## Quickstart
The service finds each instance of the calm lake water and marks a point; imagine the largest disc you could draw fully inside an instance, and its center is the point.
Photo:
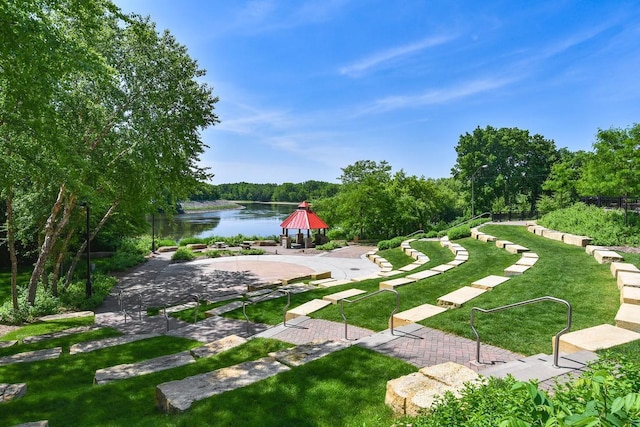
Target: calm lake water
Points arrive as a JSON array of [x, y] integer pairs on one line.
[[256, 219]]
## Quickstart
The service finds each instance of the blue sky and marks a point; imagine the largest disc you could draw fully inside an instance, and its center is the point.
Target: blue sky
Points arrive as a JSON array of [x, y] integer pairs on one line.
[[308, 87]]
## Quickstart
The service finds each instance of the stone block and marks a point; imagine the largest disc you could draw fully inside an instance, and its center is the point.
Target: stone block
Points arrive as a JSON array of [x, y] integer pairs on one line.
[[572, 239], [456, 262], [458, 297], [130, 370], [487, 238], [529, 255], [628, 278], [628, 317], [617, 267], [515, 249], [606, 256], [334, 298], [502, 243], [321, 275], [450, 373], [10, 392], [553, 235], [527, 261], [489, 282], [321, 281], [304, 353], [630, 295], [197, 246], [333, 283], [595, 338], [539, 230], [424, 274], [442, 268], [515, 270], [444, 242], [163, 249], [475, 233], [394, 283], [416, 314], [590, 249], [217, 346], [306, 308], [31, 356], [409, 267]]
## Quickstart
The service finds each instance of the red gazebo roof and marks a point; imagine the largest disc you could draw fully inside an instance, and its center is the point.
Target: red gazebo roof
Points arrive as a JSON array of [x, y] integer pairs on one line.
[[304, 218]]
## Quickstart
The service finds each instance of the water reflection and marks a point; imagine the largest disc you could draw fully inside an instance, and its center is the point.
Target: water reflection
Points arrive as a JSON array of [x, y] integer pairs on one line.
[[256, 219]]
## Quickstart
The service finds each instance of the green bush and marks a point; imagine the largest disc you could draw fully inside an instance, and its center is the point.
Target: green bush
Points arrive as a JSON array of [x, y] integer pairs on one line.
[[431, 234], [459, 232], [334, 244], [391, 243], [253, 251], [338, 233], [44, 304], [194, 240], [74, 297], [165, 242], [183, 254], [605, 226]]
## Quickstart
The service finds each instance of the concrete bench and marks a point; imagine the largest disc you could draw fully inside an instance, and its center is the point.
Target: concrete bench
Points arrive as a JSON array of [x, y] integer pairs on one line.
[[334, 298], [306, 308], [595, 338], [458, 297], [416, 314]]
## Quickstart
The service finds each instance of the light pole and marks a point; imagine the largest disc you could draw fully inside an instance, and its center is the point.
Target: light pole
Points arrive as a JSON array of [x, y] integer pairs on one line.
[[153, 232], [473, 178], [88, 286]]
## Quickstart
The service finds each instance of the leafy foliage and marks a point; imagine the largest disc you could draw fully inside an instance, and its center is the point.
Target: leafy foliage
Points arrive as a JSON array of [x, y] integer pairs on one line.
[[183, 254], [459, 232]]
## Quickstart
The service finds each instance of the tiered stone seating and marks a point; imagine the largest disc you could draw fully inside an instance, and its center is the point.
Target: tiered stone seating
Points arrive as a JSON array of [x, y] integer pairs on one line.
[[604, 256], [424, 274], [334, 298], [489, 282], [306, 308], [416, 314], [617, 267], [458, 297], [394, 283]]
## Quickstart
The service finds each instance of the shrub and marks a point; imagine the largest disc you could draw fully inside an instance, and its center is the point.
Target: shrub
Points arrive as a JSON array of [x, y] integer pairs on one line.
[[431, 234], [44, 304], [165, 242], [459, 232], [391, 243], [334, 244], [194, 240], [183, 254], [74, 297], [253, 251]]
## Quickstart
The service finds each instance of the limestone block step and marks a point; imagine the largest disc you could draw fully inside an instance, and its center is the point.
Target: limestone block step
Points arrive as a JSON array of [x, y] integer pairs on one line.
[[394, 283], [502, 243], [617, 267], [553, 235], [409, 267], [130, 370], [442, 268], [606, 256], [457, 262], [334, 298], [31, 356], [628, 278], [321, 281], [178, 396], [424, 274], [538, 229], [489, 282], [304, 353], [515, 249], [628, 317], [217, 346], [630, 295], [595, 338], [223, 309], [88, 346], [486, 238], [529, 255], [363, 278], [306, 308], [455, 248], [458, 297], [528, 261], [572, 239], [475, 233], [444, 242], [590, 249], [333, 283], [5, 344], [515, 270], [63, 333], [318, 275], [390, 273], [416, 314], [10, 392], [462, 257]]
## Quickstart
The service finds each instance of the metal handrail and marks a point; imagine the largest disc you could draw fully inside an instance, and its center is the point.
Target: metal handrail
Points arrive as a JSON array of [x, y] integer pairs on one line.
[[415, 232], [123, 309], [193, 297], [395, 310], [556, 346], [264, 297]]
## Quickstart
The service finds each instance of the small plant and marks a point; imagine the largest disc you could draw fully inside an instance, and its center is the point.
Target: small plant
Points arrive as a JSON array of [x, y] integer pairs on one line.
[[391, 243], [334, 244], [183, 254], [194, 240], [253, 251]]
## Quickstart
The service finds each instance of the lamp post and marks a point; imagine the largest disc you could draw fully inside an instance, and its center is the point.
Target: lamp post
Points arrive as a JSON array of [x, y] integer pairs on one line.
[[88, 285], [473, 178], [153, 232]]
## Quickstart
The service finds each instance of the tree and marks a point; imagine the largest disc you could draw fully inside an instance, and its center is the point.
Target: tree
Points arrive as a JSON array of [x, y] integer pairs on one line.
[[517, 163], [565, 175]]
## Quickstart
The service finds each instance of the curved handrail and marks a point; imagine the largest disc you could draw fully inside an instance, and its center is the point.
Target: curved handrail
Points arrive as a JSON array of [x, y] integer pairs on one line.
[[556, 346], [414, 233], [395, 310], [121, 304], [193, 297], [264, 297]]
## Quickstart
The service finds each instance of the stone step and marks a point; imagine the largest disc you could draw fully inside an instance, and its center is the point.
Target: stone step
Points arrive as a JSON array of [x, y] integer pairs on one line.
[[304, 353], [306, 308], [318, 275], [553, 235], [527, 261], [63, 333], [590, 249], [442, 268], [516, 249], [88, 346], [503, 243], [217, 346], [416, 314], [363, 278], [489, 282], [12, 391], [595, 338], [628, 317], [71, 315], [178, 396], [333, 283], [334, 298], [394, 283], [540, 367], [31, 356], [458, 297], [630, 295], [390, 273], [149, 366], [628, 278], [529, 255], [617, 267], [572, 239], [606, 256], [410, 267], [487, 238], [515, 270], [223, 309], [321, 281], [424, 274], [457, 262]]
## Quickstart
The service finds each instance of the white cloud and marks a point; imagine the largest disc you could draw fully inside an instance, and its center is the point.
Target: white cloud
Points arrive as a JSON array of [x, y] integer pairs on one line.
[[393, 54]]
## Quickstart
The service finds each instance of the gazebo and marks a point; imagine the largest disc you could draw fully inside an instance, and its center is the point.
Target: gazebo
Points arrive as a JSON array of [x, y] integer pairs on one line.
[[304, 218]]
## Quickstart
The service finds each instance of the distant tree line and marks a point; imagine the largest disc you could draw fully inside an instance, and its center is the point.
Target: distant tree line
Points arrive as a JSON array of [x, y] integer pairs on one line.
[[286, 192]]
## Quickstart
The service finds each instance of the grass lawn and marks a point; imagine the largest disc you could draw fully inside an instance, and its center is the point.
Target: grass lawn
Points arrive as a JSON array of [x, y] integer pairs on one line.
[[328, 392]]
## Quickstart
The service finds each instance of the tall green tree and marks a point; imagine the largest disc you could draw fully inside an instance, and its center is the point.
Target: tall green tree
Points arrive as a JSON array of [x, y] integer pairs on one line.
[[502, 164]]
